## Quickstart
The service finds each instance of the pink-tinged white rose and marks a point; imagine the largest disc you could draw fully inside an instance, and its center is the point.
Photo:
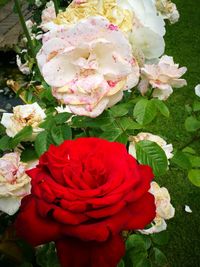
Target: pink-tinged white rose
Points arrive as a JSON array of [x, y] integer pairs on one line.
[[47, 17], [167, 10], [164, 209], [88, 65], [168, 148], [148, 28], [197, 90], [23, 115], [23, 67], [14, 182], [162, 76]]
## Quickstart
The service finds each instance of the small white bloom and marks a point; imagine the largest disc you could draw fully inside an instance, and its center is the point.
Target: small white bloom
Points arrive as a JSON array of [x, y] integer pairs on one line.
[[167, 10], [168, 148], [162, 76], [197, 90], [24, 68], [62, 109], [14, 182], [38, 3], [158, 225], [164, 209], [188, 209], [23, 115]]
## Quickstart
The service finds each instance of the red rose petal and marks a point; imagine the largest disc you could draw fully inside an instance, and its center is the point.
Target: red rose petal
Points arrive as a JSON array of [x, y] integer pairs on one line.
[[32, 228], [73, 252]]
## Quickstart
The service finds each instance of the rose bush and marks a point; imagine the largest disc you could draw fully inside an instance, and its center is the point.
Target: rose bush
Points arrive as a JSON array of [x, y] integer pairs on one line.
[[85, 192]]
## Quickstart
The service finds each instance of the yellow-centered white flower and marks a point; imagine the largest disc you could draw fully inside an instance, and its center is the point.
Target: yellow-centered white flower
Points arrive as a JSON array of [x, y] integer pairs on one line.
[[23, 115]]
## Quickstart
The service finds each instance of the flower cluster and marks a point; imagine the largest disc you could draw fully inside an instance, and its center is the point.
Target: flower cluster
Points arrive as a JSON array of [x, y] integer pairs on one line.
[[95, 50]]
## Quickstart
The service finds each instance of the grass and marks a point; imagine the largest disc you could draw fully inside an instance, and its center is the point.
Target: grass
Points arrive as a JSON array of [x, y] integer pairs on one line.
[[183, 43]]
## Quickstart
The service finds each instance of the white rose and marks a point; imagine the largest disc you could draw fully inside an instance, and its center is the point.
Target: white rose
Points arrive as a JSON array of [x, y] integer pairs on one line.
[[158, 225], [197, 90], [23, 115], [148, 28], [48, 15], [24, 68], [88, 65], [162, 76], [14, 183], [167, 10], [151, 137], [164, 209]]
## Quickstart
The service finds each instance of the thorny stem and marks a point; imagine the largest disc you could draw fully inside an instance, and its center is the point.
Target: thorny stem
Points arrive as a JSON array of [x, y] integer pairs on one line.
[[24, 27], [27, 34]]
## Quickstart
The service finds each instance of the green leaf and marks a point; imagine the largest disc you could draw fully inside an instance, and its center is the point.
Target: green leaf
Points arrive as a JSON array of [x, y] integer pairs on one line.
[[189, 150], [84, 122], [112, 134], [196, 106], [46, 256], [135, 241], [161, 238], [194, 177], [153, 155], [121, 264], [61, 118], [48, 123], [29, 155], [5, 143], [42, 142], [128, 124], [144, 262], [194, 160], [147, 241], [160, 105], [159, 257], [23, 135], [60, 133], [119, 110], [192, 124], [144, 111], [181, 159]]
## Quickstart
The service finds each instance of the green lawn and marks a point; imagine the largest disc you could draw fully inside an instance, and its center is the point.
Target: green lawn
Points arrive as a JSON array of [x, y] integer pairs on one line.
[[183, 43]]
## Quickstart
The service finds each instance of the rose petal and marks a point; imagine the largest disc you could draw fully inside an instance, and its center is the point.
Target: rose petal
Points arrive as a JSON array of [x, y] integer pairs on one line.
[[76, 253]]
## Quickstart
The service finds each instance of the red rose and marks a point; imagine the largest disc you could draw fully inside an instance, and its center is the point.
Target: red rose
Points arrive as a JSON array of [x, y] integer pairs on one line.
[[84, 194]]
